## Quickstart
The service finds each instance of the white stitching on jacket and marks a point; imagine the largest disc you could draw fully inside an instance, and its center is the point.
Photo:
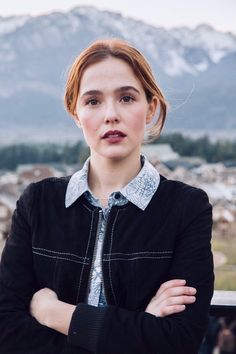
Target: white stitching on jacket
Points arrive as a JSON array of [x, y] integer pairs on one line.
[[86, 207], [56, 257], [129, 254], [110, 253], [131, 259], [57, 252], [90, 232]]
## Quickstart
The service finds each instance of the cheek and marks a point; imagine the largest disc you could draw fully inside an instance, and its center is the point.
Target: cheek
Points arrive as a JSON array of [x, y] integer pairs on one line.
[[138, 121], [89, 124], [89, 127]]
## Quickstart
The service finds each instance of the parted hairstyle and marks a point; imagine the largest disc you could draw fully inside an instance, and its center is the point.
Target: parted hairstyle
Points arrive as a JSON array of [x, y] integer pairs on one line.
[[120, 49]]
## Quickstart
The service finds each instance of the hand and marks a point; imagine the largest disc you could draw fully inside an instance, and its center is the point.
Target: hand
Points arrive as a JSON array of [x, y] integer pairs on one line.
[[171, 297], [41, 302], [51, 312]]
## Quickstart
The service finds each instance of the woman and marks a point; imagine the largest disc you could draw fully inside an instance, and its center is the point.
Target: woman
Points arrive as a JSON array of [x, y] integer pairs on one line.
[[116, 258]]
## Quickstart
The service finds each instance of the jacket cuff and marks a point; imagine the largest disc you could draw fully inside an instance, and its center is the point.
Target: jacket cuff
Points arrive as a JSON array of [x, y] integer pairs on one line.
[[85, 326]]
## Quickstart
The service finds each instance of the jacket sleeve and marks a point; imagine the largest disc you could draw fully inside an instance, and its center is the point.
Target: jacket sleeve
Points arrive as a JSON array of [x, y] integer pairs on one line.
[[20, 333], [116, 330]]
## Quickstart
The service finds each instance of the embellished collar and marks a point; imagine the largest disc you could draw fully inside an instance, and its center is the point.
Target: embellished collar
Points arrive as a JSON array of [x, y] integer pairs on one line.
[[138, 191]]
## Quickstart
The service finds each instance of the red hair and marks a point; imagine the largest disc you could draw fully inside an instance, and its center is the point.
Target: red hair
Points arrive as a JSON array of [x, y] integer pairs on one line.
[[102, 49]]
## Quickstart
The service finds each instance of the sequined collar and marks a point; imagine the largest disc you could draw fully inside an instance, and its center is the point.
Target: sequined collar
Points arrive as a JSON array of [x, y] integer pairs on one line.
[[138, 191]]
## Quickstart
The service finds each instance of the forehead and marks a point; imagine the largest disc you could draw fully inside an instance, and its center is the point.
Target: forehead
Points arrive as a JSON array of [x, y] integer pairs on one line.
[[109, 72]]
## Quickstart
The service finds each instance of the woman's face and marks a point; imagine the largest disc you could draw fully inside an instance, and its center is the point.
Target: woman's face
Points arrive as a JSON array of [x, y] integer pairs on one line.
[[112, 109]]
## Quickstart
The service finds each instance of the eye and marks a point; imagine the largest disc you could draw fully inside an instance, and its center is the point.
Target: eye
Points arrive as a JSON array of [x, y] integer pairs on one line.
[[92, 102], [127, 99]]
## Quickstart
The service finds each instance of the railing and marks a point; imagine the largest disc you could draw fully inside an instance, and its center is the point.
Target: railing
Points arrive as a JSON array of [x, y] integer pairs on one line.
[[223, 303]]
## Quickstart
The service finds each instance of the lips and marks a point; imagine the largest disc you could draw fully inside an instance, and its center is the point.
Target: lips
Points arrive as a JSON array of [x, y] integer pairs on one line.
[[113, 134]]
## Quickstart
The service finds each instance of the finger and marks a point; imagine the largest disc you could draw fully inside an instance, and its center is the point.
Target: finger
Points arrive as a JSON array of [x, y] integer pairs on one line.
[[176, 291], [175, 300], [171, 305], [180, 300], [170, 310], [170, 284]]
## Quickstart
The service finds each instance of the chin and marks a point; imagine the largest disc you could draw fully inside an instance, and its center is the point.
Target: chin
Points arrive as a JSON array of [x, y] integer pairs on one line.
[[117, 152], [119, 155], [115, 157]]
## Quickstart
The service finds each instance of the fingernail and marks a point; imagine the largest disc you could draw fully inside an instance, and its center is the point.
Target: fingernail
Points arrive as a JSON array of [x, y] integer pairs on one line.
[[193, 290]]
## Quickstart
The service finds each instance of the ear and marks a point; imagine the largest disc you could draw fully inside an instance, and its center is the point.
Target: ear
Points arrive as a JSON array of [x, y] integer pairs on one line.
[[152, 107], [77, 120]]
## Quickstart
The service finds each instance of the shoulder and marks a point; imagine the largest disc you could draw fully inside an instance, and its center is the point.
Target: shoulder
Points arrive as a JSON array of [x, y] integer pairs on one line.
[[186, 203], [52, 183], [52, 187], [183, 195], [184, 190]]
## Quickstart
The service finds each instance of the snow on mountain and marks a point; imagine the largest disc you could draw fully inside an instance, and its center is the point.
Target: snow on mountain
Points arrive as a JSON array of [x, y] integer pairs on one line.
[[177, 52], [10, 24], [189, 64], [217, 44], [170, 48]]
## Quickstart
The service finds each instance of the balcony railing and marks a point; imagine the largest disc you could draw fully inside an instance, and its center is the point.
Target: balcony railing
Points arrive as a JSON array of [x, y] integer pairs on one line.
[[223, 303]]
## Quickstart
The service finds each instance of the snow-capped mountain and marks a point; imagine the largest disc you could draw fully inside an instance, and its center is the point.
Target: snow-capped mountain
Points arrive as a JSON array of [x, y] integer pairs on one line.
[[216, 44], [10, 24], [196, 69]]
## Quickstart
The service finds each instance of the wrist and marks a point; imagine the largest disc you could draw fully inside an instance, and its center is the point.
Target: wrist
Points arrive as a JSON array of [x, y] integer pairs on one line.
[[59, 316], [50, 311]]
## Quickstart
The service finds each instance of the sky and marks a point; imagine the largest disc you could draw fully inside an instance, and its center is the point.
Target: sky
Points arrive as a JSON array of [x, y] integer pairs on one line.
[[221, 14]]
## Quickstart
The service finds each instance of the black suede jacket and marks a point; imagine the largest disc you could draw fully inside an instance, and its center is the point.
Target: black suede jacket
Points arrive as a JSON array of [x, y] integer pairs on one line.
[[52, 246]]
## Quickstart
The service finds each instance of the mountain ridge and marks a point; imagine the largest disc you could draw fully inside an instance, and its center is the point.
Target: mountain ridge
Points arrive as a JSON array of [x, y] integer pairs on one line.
[[36, 56]]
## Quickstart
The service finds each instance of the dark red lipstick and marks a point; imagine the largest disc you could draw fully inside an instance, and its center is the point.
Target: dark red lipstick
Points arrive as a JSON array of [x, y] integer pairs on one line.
[[113, 133], [114, 136]]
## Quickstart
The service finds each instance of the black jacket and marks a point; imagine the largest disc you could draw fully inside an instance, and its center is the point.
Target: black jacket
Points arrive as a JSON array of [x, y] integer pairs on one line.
[[51, 246]]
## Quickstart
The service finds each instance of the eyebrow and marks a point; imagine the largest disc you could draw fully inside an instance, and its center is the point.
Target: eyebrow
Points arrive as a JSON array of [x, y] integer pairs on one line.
[[127, 88], [118, 90]]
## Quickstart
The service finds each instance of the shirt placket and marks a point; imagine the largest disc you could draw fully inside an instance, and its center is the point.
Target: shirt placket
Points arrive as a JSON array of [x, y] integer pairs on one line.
[[96, 295]]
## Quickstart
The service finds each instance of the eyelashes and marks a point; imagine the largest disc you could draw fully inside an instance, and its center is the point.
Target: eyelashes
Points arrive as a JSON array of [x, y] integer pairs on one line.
[[95, 101], [127, 98], [91, 102]]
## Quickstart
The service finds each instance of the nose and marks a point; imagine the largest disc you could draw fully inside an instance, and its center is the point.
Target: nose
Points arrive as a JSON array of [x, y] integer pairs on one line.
[[111, 114]]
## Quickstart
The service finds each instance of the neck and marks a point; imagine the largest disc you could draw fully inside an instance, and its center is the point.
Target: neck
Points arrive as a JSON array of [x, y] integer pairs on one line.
[[107, 176]]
